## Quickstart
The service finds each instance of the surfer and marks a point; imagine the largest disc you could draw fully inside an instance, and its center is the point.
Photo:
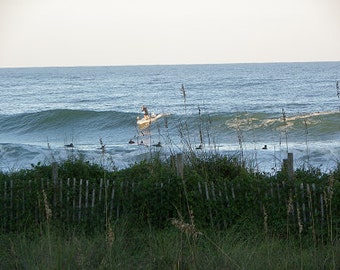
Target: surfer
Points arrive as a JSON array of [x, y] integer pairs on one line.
[[157, 144], [146, 113], [69, 145], [142, 143]]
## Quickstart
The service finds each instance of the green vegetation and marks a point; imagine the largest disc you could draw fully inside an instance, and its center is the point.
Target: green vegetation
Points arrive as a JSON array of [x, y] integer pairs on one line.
[[141, 248], [212, 214]]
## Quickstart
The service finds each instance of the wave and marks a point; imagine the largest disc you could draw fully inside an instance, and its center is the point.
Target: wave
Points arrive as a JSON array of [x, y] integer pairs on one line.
[[119, 125], [18, 156], [327, 121], [116, 128], [63, 120]]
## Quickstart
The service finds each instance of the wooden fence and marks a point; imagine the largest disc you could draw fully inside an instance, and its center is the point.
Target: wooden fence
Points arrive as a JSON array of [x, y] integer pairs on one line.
[[215, 204]]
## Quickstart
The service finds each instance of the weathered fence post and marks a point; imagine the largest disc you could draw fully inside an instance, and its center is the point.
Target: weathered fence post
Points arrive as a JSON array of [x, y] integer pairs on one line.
[[179, 165], [288, 166]]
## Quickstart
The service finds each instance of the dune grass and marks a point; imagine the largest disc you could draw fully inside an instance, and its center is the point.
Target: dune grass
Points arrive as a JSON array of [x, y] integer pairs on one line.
[[180, 243], [142, 248]]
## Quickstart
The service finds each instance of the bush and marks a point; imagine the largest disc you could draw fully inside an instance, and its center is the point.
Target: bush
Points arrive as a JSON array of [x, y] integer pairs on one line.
[[215, 192]]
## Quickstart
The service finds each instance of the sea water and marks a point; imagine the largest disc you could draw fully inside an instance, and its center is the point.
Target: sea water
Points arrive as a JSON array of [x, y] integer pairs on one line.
[[229, 109]]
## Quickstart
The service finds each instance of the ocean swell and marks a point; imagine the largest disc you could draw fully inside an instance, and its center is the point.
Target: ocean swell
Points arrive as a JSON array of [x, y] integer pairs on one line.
[[54, 120]]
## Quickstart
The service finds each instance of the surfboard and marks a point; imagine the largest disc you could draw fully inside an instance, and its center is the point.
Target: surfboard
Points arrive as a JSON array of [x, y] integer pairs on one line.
[[146, 122]]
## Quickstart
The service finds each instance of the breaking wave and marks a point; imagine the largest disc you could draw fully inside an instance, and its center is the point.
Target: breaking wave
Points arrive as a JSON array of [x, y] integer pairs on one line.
[[53, 120]]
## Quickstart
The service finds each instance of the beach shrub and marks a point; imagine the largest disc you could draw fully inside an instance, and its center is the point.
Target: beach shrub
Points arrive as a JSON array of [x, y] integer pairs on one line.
[[215, 192]]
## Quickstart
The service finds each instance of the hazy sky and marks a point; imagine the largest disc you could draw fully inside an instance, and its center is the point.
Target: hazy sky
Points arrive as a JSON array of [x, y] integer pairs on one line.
[[133, 32]]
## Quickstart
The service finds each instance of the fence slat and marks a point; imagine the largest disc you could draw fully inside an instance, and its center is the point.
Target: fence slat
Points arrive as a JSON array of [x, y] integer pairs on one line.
[[93, 197], [61, 198], [80, 197], [322, 210], [226, 194], [213, 191], [5, 204], [86, 194], [74, 199], [11, 202], [67, 199], [199, 188], [100, 189], [310, 205], [233, 192], [222, 203], [112, 197], [314, 199], [23, 199], [303, 203], [208, 199], [278, 189]]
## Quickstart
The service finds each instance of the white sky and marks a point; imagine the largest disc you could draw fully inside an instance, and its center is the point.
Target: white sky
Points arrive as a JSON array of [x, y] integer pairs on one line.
[[134, 32]]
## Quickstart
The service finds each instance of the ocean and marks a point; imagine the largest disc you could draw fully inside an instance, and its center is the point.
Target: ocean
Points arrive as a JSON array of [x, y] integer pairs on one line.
[[229, 109]]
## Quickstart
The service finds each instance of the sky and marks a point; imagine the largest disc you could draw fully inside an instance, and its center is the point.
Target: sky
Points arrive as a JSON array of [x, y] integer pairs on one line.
[[35, 33]]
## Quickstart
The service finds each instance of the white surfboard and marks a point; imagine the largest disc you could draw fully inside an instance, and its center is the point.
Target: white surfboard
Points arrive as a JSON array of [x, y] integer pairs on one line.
[[146, 122]]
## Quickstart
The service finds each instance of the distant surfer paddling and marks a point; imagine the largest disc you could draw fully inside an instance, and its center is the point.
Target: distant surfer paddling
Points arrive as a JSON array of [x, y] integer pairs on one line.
[[69, 145]]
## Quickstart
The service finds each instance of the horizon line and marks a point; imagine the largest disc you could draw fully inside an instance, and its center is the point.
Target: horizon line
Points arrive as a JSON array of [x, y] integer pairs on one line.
[[179, 64]]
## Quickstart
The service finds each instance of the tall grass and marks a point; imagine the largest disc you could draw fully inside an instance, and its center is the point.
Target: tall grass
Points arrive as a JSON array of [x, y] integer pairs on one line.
[[185, 241], [140, 248]]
